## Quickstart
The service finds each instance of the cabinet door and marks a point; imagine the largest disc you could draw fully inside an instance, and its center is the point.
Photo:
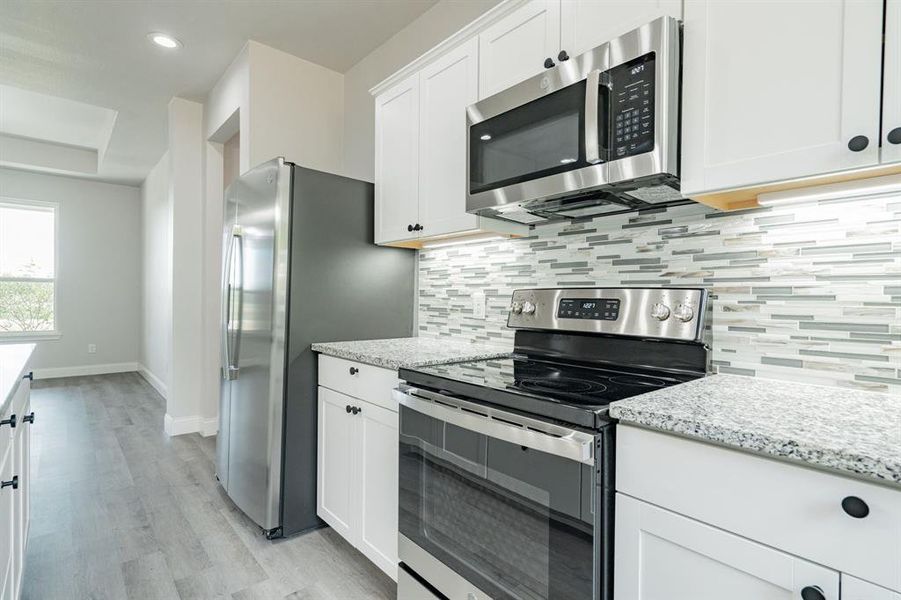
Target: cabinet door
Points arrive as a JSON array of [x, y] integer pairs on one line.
[[778, 90], [662, 555], [397, 162], [891, 103], [446, 88], [586, 24], [7, 499], [378, 458], [515, 48], [855, 589], [336, 475]]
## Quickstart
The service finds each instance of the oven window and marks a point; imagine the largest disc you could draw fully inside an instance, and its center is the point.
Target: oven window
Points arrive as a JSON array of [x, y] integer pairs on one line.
[[537, 139], [514, 521]]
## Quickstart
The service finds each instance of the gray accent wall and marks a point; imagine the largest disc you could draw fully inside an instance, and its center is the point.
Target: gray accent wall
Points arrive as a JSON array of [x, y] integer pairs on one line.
[[810, 292]]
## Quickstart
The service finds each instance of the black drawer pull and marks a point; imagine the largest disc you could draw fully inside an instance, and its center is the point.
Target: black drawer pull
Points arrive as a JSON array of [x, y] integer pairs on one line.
[[29, 418], [858, 143], [354, 370], [13, 483], [30, 374], [409, 228], [347, 408], [548, 63], [813, 592], [11, 421], [855, 507], [563, 56], [894, 136], [356, 410]]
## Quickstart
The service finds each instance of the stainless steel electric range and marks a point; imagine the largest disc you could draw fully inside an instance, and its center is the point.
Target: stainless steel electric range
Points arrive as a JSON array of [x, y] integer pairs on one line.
[[506, 465]]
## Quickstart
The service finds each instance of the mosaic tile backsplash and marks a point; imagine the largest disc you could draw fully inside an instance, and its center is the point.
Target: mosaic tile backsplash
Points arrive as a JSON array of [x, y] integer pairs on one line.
[[809, 292]]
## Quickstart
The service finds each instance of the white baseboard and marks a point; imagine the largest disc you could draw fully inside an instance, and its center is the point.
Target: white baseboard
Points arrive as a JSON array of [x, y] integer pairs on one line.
[[154, 381], [209, 427], [193, 424], [53, 373]]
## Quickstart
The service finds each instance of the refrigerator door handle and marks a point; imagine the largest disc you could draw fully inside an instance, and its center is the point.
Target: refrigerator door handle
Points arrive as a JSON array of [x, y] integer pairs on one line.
[[229, 368]]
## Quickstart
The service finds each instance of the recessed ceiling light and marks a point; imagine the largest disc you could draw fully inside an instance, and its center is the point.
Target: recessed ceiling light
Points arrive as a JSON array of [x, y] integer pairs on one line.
[[166, 41]]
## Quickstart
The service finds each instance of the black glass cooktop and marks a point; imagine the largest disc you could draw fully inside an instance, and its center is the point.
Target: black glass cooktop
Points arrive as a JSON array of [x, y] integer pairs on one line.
[[565, 391]]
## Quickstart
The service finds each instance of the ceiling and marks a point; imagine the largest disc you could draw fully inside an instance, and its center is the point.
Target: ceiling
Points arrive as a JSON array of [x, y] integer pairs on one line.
[[96, 52]]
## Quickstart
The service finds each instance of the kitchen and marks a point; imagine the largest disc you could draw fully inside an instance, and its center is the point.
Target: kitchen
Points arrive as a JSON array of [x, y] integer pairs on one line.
[[520, 299]]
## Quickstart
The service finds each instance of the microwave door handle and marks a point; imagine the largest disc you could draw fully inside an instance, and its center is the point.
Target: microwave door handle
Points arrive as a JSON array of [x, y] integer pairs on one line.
[[592, 141]]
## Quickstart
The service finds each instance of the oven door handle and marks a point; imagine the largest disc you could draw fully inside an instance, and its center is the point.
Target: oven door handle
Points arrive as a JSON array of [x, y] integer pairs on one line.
[[592, 141], [522, 431]]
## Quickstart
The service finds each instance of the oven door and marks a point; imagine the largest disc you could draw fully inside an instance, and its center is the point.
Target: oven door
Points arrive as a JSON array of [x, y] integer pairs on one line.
[[496, 505]]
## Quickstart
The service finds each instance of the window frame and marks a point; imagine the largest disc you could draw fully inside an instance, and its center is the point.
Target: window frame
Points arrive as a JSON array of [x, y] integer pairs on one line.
[[51, 334]]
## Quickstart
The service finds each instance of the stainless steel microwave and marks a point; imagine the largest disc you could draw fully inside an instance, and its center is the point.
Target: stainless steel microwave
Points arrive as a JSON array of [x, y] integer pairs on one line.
[[596, 134]]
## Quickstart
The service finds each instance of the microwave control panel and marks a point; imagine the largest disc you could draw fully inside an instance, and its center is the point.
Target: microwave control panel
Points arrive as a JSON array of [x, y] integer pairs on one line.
[[632, 107]]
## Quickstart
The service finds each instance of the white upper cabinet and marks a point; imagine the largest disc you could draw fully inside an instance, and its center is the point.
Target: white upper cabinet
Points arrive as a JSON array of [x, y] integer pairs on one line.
[[447, 87], [891, 104], [660, 554], [586, 24], [515, 48], [778, 90], [397, 162]]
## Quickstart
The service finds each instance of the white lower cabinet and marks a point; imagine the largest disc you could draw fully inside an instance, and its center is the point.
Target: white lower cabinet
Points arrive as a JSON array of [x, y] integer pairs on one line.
[[661, 555], [15, 465], [855, 589], [357, 475]]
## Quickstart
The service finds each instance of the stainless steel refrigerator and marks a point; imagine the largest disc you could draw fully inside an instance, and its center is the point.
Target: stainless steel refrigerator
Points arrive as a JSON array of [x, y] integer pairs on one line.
[[299, 266]]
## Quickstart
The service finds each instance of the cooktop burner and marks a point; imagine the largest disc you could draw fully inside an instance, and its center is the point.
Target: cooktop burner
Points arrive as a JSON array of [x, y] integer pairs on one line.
[[516, 380]]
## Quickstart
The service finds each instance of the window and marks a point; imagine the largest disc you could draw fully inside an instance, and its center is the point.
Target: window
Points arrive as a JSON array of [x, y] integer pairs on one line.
[[27, 269]]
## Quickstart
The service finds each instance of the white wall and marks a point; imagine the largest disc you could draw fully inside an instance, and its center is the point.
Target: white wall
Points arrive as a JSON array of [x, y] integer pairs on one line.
[[155, 354], [98, 275], [438, 23], [296, 110]]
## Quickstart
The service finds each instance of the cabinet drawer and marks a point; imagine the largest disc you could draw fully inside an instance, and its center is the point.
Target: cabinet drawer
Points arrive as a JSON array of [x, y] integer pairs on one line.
[[20, 398], [366, 382], [792, 508]]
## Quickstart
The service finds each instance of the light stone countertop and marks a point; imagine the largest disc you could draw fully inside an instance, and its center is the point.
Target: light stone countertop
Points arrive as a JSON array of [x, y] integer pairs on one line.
[[399, 353], [13, 363], [840, 429]]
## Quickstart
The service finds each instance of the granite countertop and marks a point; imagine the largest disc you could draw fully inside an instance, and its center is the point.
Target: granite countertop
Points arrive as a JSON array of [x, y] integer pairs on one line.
[[849, 431], [13, 362], [410, 352]]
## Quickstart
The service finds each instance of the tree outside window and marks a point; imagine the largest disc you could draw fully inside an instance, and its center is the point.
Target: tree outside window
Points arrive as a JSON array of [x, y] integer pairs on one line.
[[27, 269]]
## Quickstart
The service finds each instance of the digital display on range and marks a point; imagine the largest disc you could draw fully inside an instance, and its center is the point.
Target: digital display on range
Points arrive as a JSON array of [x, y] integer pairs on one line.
[[597, 308]]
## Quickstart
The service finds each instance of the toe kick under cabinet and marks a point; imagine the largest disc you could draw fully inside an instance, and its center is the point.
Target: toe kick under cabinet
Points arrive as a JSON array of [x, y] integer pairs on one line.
[[15, 442], [357, 457], [699, 521]]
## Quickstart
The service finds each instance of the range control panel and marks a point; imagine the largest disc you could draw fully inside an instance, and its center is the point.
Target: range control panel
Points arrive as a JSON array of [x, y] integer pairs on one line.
[[666, 313], [605, 309], [632, 107]]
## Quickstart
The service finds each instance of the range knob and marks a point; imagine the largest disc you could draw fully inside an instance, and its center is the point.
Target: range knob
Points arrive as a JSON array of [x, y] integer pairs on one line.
[[516, 308], [684, 313], [528, 308], [660, 312]]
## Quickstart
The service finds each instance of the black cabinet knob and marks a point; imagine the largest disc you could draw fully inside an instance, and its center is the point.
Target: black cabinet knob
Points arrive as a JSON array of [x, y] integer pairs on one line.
[[30, 375], [13, 483], [562, 56], [858, 143], [548, 63], [29, 418], [418, 227], [855, 507], [409, 228], [347, 408], [354, 370], [894, 136], [11, 421], [813, 592], [356, 410]]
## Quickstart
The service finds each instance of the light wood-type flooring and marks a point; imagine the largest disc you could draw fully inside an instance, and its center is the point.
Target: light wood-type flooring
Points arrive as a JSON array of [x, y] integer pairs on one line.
[[121, 511]]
